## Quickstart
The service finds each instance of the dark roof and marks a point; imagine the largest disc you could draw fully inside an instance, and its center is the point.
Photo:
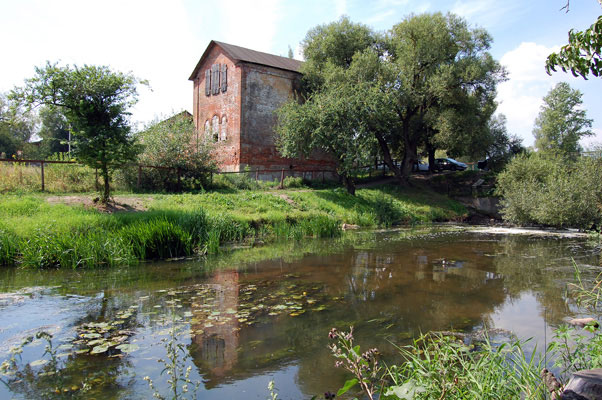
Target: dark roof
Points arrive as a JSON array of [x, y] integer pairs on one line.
[[238, 53]]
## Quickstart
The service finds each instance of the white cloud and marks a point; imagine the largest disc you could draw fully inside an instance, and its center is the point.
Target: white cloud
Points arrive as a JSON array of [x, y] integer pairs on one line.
[[488, 13], [521, 96], [379, 17]]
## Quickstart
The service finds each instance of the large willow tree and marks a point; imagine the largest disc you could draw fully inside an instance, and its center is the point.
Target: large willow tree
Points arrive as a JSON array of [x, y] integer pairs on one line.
[[428, 82]]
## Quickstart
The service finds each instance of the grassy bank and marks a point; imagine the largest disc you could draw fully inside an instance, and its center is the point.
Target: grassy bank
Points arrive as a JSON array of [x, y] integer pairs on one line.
[[35, 233]]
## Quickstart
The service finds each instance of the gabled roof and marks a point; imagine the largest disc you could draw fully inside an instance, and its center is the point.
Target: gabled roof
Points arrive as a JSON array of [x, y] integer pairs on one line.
[[237, 53]]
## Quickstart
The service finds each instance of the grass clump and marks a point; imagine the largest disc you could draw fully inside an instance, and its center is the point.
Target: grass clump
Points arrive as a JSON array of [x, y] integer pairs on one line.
[[38, 234], [443, 367], [438, 367]]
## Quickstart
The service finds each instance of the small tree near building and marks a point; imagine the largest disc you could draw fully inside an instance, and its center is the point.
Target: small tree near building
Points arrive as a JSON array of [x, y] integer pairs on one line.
[[95, 101]]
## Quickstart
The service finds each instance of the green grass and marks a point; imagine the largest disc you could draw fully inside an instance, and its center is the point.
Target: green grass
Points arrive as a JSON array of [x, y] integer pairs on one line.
[[35, 233]]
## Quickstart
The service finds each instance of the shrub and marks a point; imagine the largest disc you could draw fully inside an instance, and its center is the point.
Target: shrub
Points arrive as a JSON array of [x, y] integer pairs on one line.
[[552, 191]]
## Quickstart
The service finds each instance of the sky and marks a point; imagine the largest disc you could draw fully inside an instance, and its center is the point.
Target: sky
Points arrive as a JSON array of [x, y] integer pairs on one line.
[[161, 41]]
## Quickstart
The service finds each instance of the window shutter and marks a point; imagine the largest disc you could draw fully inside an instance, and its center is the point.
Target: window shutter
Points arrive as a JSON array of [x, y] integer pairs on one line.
[[215, 79], [224, 78], [207, 83]]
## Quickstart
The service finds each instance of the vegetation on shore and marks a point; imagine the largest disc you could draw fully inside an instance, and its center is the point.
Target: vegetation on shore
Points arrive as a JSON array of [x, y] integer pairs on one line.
[[35, 233], [441, 365]]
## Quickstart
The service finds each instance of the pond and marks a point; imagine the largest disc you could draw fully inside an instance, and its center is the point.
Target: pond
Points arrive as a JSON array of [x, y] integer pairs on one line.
[[254, 315]]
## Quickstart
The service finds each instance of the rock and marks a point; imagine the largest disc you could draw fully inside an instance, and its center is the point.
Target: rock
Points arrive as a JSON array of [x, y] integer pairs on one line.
[[350, 226], [581, 322], [584, 385]]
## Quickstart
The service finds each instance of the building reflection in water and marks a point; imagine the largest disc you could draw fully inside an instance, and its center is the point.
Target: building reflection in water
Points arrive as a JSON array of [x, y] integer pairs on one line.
[[215, 336]]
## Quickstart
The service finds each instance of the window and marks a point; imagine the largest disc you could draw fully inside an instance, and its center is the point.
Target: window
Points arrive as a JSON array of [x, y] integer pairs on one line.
[[216, 79], [215, 127], [207, 129], [223, 129]]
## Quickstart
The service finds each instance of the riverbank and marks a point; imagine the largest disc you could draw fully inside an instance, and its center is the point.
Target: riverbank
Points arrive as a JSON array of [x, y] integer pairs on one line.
[[42, 231]]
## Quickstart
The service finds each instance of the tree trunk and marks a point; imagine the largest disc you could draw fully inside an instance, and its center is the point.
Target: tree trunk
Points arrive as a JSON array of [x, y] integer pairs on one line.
[[349, 184], [384, 147], [106, 193], [409, 152]]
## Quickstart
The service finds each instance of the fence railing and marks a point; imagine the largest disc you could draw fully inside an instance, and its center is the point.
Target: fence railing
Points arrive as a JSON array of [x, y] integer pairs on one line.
[[306, 173]]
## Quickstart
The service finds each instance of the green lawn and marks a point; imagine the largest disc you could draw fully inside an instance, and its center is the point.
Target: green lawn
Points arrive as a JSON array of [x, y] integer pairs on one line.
[[35, 233]]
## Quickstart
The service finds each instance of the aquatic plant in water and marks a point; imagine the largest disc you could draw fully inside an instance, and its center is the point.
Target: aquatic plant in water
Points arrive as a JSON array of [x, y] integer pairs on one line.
[[175, 367]]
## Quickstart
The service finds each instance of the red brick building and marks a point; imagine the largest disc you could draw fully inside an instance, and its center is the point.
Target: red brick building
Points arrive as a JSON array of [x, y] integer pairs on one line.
[[236, 93]]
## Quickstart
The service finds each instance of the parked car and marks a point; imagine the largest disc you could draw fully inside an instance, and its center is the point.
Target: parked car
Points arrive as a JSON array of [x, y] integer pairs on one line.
[[449, 164], [420, 166]]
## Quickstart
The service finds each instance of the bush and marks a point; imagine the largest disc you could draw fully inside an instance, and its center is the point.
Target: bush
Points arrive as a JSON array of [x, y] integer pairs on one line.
[[552, 191]]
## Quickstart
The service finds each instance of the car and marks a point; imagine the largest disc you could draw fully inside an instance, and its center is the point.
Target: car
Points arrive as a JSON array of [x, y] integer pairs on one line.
[[420, 166], [449, 164]]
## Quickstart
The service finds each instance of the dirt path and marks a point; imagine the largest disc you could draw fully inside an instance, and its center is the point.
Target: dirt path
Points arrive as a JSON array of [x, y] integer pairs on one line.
[[119, 203]]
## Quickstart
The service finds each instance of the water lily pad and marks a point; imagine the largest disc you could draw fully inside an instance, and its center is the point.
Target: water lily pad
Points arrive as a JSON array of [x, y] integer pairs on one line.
[[38, 363], [128, 347], [187, 314], [99, 349], [96, 342], [92, 335]]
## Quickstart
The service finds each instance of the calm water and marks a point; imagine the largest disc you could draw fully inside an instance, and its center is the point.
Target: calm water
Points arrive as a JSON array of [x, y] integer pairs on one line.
[[242, 323]]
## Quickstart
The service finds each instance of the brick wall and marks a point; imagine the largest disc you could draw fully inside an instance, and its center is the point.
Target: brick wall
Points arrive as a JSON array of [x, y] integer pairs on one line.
[[225, 104]]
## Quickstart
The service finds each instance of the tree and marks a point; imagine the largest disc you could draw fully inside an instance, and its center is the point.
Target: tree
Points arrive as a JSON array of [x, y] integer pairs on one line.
[[16, 127], [442, 80], [429, 82], [561, 122], [583, 53], [95, 101], [335, 114], [175, 143]]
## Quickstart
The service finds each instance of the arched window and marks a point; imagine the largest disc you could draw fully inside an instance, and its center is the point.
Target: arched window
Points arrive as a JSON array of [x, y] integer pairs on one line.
[[223, 129], [207, 129], [215, 127]]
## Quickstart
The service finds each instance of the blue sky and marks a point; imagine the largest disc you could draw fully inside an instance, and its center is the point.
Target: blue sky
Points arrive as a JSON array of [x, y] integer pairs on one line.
[[162, 40]]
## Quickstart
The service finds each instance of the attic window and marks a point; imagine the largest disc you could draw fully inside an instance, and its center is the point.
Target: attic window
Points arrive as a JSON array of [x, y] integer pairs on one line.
[[216, 79]]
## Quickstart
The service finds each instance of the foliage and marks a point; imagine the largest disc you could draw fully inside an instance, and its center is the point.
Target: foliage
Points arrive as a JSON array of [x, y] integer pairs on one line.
[[363, 366], [95, 100], [174, 143], [16, 128], [501, 147], [178, 373], [582, 54], [552, 191], [429, 82], [333, 121], [438, 367], [561, 122]]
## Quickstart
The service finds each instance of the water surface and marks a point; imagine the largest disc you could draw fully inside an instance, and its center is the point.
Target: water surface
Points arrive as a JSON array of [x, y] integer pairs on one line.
[[242, 322]]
